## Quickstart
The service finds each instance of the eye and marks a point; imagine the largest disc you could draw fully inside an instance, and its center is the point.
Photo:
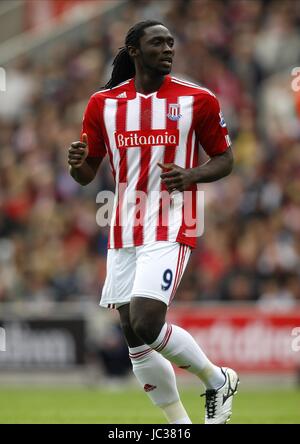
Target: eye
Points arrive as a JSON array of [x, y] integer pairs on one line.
[[159, 42]]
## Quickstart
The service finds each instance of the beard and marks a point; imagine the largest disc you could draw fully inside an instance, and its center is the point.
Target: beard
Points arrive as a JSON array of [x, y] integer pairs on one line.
[[155, 69]]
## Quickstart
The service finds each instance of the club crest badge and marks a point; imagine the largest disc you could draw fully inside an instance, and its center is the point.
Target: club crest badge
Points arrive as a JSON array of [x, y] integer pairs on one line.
[[174, 112]]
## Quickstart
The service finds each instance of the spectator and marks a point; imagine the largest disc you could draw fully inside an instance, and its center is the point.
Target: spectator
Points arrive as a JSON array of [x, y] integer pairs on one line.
[[50, 245]]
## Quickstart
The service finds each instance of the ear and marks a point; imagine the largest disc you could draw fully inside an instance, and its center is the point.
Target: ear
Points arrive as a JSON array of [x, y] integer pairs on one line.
[[132, 51]]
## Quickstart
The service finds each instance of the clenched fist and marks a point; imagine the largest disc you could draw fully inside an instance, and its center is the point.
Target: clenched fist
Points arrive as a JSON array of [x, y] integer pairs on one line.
[[78, 152]]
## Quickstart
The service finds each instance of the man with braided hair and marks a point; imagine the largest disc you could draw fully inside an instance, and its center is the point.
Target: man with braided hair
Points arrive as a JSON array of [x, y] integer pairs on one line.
[[151, 126]]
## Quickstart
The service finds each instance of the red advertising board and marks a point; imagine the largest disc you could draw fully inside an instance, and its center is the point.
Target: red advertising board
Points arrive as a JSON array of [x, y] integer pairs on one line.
[[246, 339]]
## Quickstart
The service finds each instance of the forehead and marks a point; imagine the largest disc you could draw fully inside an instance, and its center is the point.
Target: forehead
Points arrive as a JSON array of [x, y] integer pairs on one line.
[[156, 31]]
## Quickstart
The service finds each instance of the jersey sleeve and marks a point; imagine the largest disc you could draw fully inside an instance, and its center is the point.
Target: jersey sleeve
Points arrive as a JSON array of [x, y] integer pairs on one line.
[[211, 127], [91, 125]]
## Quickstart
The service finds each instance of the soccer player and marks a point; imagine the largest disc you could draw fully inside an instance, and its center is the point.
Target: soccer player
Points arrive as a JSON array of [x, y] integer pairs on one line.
[[151, 126]]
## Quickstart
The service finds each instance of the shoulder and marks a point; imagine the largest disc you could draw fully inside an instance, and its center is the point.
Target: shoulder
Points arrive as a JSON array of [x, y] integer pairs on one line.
[[186, 87], [112, 93]]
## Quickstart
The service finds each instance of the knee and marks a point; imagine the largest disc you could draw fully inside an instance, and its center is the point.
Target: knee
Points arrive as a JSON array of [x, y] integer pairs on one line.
[[126, 328], [125, 320], [147, 317], [146, 328], [131, 338]]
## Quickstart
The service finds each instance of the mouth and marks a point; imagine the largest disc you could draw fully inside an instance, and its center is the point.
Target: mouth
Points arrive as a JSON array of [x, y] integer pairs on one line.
[[167, 61]]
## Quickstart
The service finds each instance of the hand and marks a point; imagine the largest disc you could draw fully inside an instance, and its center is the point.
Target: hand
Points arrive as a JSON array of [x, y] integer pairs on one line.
[[176, 178], [78, 152]]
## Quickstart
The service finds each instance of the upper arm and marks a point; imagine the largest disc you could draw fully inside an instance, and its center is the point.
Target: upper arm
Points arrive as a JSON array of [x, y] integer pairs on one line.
[[228, 154], [91, 125], [227, 158], [211, 128]]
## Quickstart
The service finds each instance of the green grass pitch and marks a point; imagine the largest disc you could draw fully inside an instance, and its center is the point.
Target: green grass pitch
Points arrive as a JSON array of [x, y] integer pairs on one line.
[[130, 406]]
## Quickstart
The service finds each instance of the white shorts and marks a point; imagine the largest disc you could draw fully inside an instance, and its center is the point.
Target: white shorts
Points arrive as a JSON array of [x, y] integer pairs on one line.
[[152, 271]]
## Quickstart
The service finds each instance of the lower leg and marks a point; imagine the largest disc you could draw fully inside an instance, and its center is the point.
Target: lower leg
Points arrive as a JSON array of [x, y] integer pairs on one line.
[[179, 347], [156, 376], [171, 341], [154, 373]]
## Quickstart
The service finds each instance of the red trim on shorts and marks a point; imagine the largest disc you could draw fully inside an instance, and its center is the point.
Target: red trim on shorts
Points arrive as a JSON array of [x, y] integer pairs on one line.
[[180, 273], [177, 268]]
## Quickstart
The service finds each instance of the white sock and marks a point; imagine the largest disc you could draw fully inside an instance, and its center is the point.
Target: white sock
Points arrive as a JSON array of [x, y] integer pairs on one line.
[[179, 347], [157, 377], [176, 413]]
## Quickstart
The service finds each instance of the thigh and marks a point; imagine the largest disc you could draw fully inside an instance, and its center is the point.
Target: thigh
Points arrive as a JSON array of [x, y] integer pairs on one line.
[[159, 270], [120, 273]]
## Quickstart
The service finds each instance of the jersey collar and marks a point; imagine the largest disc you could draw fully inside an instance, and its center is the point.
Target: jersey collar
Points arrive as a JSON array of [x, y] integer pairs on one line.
[[160, 92]]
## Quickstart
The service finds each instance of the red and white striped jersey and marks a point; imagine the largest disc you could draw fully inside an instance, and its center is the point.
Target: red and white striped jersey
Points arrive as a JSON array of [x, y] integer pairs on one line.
[[137, 131]]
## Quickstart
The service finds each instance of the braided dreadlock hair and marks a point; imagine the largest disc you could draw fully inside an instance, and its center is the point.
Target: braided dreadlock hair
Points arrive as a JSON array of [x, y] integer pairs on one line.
[[123, 66]]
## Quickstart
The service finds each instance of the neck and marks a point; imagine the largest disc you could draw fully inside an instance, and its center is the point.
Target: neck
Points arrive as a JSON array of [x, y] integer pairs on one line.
[[145, 83]]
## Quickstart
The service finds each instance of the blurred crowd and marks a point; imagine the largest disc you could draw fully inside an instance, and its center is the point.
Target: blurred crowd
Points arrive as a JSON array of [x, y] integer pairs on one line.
[[50, 245]]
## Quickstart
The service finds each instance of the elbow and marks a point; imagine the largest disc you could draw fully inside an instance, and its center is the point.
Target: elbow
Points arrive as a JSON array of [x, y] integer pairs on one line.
[[230, 167], [229, 162], [84, 183], [82, 179]]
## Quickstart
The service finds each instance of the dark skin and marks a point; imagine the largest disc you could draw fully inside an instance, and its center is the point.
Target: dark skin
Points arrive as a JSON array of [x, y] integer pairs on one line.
[[153, 58], [143, 319], [83, 169]]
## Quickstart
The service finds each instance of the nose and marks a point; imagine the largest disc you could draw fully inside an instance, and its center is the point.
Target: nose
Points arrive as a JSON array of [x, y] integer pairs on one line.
[[167, 49]]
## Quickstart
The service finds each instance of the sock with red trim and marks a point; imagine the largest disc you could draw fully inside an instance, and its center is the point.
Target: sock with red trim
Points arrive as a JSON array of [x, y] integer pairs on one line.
[[180, 348], [156, 375]]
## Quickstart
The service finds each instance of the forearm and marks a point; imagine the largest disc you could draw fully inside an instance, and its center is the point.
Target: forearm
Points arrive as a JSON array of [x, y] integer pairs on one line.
[[214, 169], [83, 175]]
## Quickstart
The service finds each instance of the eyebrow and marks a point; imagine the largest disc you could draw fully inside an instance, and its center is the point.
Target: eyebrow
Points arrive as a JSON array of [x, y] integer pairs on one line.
[[160, 37]]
